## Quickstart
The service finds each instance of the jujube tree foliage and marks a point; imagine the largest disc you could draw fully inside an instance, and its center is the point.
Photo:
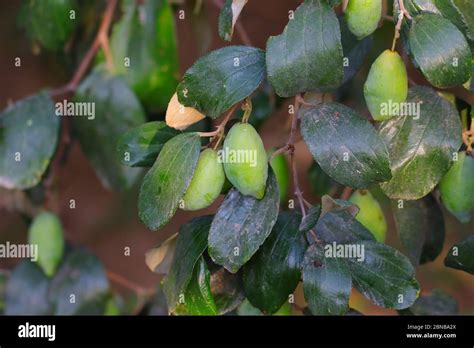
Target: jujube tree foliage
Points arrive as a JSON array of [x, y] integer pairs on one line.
[[263, 240]]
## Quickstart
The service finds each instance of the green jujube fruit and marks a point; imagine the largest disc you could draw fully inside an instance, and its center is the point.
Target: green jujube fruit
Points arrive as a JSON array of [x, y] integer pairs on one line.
[[457, 188], [363, 16], [370, 214], [245, 162], [282, 174], [207, 182], [46, 232], [386, 86]]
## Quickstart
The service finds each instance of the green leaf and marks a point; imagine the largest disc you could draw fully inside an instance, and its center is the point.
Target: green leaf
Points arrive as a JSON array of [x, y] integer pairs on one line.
[[274, 271], [311, 218], [461, 14], [26, 291], [321, 183], [437, 302], [115, 110], [385, 276], [440, 50], [198, 297], [228, 17], [222, 78], [242, 224], [421, 146], [308, 55], [327, 282], [167, 181], [227, 289], [48, 21], [461, 255], [140, 146], [144, 49], [191, 243], [4, 275], [82, 275], [345, 145], [420, 226], [28, 139]]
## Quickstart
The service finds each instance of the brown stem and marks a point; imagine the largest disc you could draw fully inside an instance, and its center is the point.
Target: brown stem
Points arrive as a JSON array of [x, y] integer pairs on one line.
[[346, 193], [291, 146], [221, 127]]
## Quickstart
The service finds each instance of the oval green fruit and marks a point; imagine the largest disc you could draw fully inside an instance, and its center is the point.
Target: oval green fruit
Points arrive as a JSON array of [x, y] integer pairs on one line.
[[363, 16], [46, 232], [386, 86], [370, 214], [206, 184], [457, 188], [282, 174], [245, 160]]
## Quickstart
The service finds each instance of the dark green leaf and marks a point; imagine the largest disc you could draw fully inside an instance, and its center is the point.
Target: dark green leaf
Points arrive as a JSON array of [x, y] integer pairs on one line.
[[440, 50], [327, 282], [274, 272], [198, 297], [460, 13], [345, 145], [26, 291], [437, 302], [227, 289], [116, 110], [192, 241], [167, 181], [4, 275], [222, 78], [140, 146], [321, 183], [144, 48], [461, 255], [228, 16], [80, 286], [421, 148], [385, 276], [28, 139], [242, 224], [308, 55], [311, 219], [420, 227]]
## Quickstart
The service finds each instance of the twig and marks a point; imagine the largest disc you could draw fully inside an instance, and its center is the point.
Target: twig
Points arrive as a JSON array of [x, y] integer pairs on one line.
[[346, 193], [291, 146], [403, 13], [221, 127]]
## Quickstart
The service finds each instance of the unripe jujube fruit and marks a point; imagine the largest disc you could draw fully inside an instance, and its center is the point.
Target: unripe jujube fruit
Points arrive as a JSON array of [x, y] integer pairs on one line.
[[386, 86], [246, 164], [47, 233], [363, 16], [206, 184], [370, 214], [282, 174], [457, 188]]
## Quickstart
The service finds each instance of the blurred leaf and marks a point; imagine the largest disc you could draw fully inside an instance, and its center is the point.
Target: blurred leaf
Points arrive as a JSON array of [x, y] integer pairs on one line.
[[167, 181], [308, 55], [273, 273], [140, 146], [437, 302], [222, 78], [198, 297], [80, 286], [420, 226], [461, 255], [327, 282], [158, 305], [144, 49], [28, 139], [159, 259], [227, 290], [345, 145], [421, 148], [26, 291], [116, 110], [4, 275], [242, 224], [228, 17], [321, 183], [191, 243]]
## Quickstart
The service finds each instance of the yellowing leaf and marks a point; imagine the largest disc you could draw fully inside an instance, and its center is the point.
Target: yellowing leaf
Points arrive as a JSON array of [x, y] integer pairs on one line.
[[179, 116]]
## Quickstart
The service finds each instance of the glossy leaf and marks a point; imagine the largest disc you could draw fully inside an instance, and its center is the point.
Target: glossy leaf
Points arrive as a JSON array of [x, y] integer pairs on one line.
[[345, 145], [140, 146], [198, 297], [228, 17], [327, 282], [274, 271], [167, 181], [308, 55], [28, 139], [191, 243], [242, 224], [460, 13], [222, 78], [440, 50], [82, 275], [421, 146], [461, 255], [385, 276], [420, 227], [116, 110]]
